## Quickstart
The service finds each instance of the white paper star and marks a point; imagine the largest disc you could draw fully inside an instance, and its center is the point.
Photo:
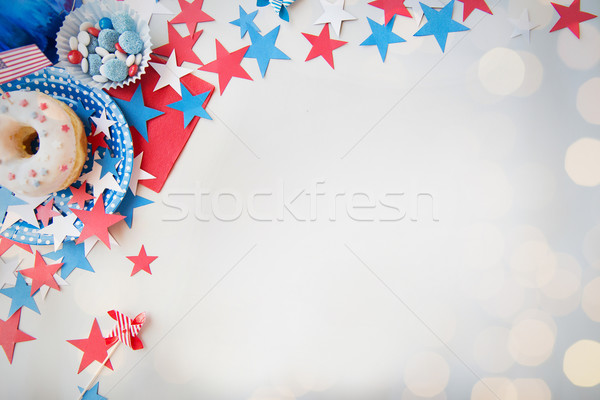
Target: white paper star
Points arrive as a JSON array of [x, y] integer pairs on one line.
[[89, 243], [170, 74], [417, 11], [146, 8], [523, 26], [138, 174], [99, 185], [334, 14], [7, 271], [60, 228], [103, 124], [25, 212]]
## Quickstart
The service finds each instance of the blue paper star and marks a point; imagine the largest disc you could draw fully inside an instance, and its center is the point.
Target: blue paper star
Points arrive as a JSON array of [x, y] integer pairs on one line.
[[191, 106], [83, 114], [20, 295], [245, 22], [136, 113], [129, 203], [109, 164], [73, 256], [91, 394], [440, 23], [7, 198], [264, 50], [382, 36]]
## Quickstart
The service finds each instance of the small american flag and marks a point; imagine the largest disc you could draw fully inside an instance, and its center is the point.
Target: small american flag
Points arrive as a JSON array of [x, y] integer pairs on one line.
[[126, 330], [21, 61]]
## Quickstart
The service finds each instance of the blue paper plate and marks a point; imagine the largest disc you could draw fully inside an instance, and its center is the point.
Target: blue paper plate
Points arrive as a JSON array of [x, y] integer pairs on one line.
[[57, 83]]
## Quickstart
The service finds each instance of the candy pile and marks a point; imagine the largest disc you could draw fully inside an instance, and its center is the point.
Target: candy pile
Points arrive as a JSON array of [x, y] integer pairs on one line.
[[110, 50]]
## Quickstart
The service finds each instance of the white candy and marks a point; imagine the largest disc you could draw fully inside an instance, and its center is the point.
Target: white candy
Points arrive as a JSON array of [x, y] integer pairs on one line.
[[121, 56], [101, 51], [107, 57], [73, 43], [84, 38], [97, 26], [103, 70], [100, 78], [83, 50], [84, 26], [138, 58], [85, 65], [130, 60]]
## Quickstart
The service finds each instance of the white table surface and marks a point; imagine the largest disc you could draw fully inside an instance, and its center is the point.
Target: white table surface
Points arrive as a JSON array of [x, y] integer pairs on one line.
[[329, 301]]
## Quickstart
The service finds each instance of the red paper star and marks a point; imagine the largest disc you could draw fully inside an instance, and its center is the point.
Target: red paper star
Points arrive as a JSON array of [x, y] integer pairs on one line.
[[181, 45], [45, 212], [471, 5], [191, 14], [391, 8], [323, 45], [94, 347], [571, 17], [141, 262], [41, 274], [227, 65], [6, 243], [96, 141], [11, 335], [96, 222], [80, 196]]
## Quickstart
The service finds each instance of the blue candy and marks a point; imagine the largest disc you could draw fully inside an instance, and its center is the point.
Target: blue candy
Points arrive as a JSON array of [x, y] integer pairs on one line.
[[94, 61], [131, 42], [93, 44], [107, 39], [115, 70], [105, 23], [123, 22]]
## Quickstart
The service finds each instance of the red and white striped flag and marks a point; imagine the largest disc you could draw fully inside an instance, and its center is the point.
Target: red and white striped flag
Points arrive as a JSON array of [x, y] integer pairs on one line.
[[21, 61], [126, 330]]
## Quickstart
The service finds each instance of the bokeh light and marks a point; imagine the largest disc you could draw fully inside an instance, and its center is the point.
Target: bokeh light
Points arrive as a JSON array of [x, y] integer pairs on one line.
[[582, 363]]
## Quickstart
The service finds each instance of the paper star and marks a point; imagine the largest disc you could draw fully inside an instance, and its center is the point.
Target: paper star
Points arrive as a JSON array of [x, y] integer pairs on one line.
[[570, 17], [103, 124], [90, 242], [7, 198], [145, 10], [96, 222], [440, 24], [263, 49], [191, 15], [471, 5], [41, 274], [25, 212], [523, 26], [170, 74], [79, 195], [91, 394], [136, 111], [60, 228], [20, 295], [6, 243], [323, 45], [183, 46], [11, 335], [334, 14], [94, 347], [382, 36], [45, 212], [43, 292], [129, 203], [96, 141], [108, 164], [245, 22], [73, 256], [191, 106], [99, 185], [137, 173], [391, 8], [83, 113], [7, 272], [417, 11], [227, 65], [141, 262]]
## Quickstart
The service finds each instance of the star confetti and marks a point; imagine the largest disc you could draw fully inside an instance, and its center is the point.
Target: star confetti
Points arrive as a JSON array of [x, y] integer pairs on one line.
[[79, 195], [136, 112], [41, 274], [182, 45], [99, 185], [60, 228], [91, 394], [471, 5], [146, 9], [391, 8], [141, 262], [227, 65], [20, 296], [417, 11], [523, 26], [25, 212], [191, 106], [263, 49], [440, 24], [73, 256], [94, 347], [334, 14], [129, 203], [246, 22], [96, 222], [382, 36], [191, 15], [109, 164], [96, 141], [7, 198], [170, 73], [323, 45], [83, 113], [103, 124], [570, 17], [11, 335], [7, 272], [137, 173], [46, 212], [6, 243]]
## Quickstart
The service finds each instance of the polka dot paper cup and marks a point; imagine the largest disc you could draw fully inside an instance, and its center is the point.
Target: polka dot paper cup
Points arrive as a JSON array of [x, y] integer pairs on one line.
[[89, 16]]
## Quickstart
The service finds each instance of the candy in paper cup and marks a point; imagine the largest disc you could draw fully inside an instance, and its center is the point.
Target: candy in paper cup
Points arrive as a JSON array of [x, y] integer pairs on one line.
[[92, 12]]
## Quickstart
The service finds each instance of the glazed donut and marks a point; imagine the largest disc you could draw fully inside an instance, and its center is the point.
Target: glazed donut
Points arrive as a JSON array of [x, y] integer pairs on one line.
[[25, 116]]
